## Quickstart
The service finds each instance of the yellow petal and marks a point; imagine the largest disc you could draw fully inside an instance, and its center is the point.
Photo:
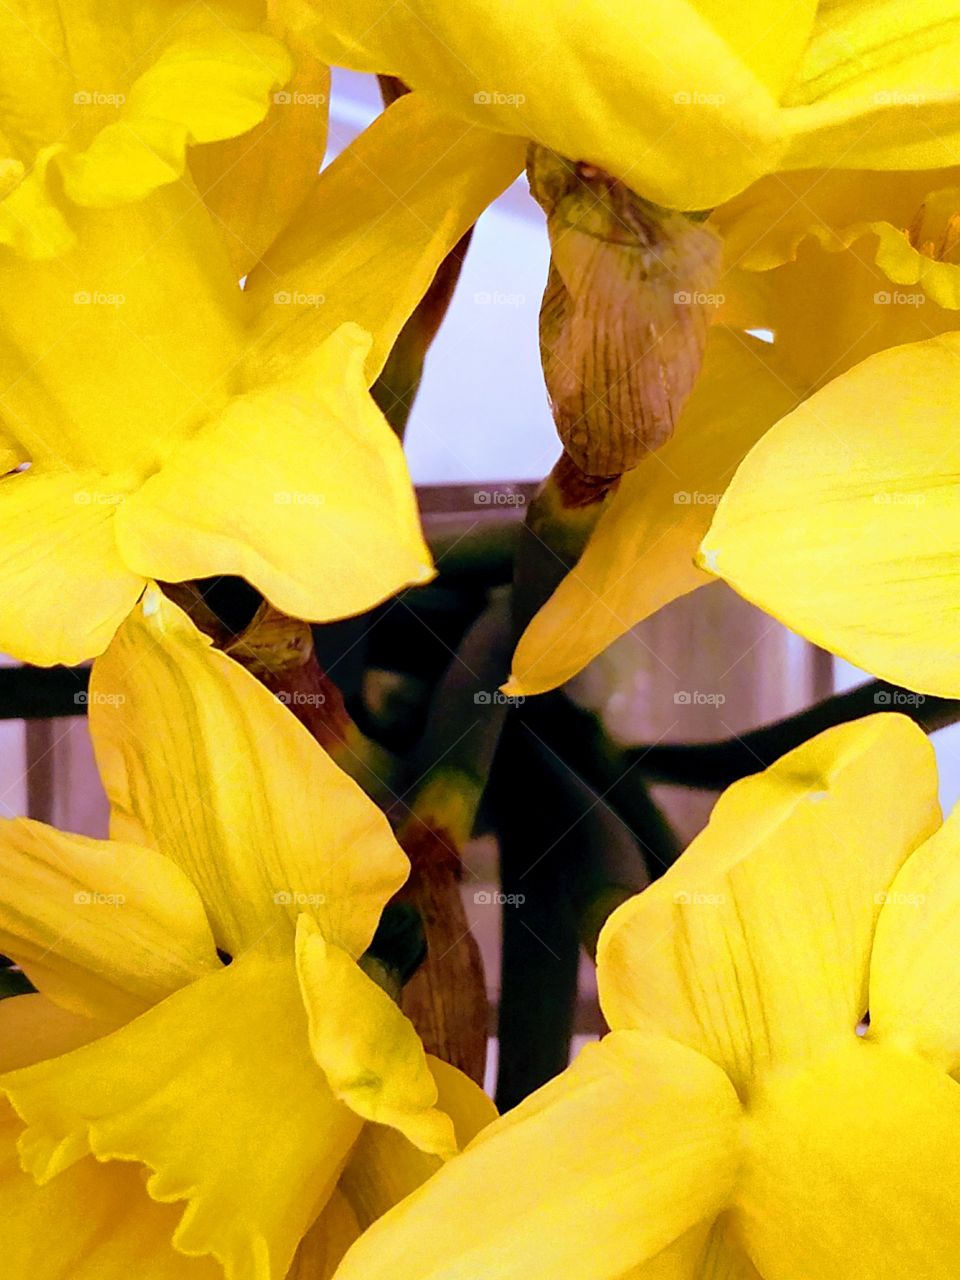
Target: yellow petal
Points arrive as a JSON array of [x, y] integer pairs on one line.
[[299, 486], [216, 1093], [597, 1171], [33, 1028], [877, 88], [840, 520], [365, 245], [708, 1252], [829, 311], [209, 82], [852, 1169], [105, 929], [679, 1261], [703, 954], [253, 184], [93, 1222], [765, 225], [64, 586], [914, 983], [640, 556], [385, 1167], [201, 761], [30, 222], [116, 351], [644, 97], [369, 1051]]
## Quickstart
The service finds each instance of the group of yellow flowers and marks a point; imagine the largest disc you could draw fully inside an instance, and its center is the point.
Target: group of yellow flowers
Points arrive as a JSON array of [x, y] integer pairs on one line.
[[210, 1082]]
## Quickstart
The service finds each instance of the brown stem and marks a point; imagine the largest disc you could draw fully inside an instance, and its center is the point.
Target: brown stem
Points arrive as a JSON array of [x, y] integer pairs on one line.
[[446, 998]]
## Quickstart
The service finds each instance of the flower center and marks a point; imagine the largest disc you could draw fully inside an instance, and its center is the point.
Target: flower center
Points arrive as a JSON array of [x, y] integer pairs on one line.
[[935, 230]]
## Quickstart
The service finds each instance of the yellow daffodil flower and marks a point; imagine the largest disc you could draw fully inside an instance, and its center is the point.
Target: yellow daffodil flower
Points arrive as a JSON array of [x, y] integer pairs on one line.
[[839, 267], [686, 102], [174, 425], [100, 103], [844, 520], [736, 1122], [207, 1077]]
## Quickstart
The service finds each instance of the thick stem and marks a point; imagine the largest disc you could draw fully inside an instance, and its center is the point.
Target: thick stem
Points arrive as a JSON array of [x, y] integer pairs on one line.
[[446, 999], [713, 766], [568, 861]]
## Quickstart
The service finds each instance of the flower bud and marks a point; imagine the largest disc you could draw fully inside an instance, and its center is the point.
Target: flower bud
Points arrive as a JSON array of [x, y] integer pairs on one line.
[[625, 313]]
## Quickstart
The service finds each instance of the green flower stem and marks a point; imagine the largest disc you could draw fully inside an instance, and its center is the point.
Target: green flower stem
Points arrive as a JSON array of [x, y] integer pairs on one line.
[[567, 862], [475, 547], [713, 766], [579, 739], [396, 388], [40, 693], [446, 999], [559, 522]]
